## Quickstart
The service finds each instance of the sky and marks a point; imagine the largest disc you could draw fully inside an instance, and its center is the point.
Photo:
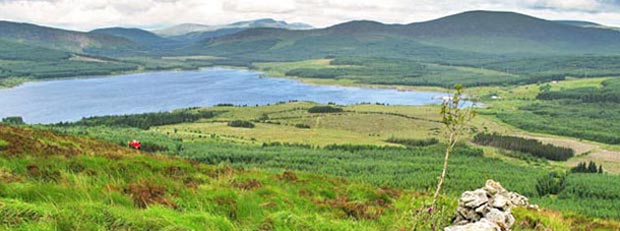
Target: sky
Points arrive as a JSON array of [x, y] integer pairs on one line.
[[152, 14]]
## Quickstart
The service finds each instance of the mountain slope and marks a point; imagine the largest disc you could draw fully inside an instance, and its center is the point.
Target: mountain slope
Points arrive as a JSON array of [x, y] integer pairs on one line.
[[200, 35], [509, 32], [476, 31], [60, 39], [135, 35]]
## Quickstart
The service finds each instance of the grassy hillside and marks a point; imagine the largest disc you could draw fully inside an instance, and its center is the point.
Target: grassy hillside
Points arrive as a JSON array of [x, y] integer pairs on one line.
[[592, 112], [54, 182], [346, 145], [57, 182], [135, 35], [20, 62]]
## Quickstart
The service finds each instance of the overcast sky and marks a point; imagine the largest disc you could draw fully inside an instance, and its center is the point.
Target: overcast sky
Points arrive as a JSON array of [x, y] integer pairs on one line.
[[89, 14]]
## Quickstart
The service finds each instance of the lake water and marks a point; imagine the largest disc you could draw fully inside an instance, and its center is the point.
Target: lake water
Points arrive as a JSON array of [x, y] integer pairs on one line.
[[72, 99]]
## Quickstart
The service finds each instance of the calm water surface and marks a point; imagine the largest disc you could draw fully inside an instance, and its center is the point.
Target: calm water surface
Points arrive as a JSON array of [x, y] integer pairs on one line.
[[72, 99]]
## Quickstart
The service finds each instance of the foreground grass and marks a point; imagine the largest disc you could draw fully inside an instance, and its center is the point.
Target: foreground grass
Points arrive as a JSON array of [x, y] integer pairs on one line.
[[52, 182], [55, 182]]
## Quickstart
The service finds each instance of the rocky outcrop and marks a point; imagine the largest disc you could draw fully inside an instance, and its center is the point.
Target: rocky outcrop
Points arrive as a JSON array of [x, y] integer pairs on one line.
[[487, 208]]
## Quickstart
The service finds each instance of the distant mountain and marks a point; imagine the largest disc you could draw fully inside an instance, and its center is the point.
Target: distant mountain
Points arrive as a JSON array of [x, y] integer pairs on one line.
[[509, 32], [270, 23], [135, 35], [200, 36], [480, 32], [183, 29], [59, 38]]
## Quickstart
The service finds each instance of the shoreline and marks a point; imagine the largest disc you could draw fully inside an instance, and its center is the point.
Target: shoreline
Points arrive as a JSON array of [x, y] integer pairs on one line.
[[316, 82]]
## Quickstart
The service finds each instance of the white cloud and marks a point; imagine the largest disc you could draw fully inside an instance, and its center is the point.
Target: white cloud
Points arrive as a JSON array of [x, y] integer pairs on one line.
[[89, 14]]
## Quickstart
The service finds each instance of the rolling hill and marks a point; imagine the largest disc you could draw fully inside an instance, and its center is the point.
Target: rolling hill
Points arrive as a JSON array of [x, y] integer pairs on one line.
[[475, 31], [50, 181], [135, 35], [509, 32], [60, 39]]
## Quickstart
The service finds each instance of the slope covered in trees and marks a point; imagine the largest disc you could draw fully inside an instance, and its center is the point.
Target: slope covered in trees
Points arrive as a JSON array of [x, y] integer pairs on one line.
[[531, 146]]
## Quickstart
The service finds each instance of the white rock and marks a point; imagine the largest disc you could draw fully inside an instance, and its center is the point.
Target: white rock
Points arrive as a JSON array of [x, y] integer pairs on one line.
[[473, 199], [518, 200], [510, 220], [500, 201], [496, 216], [493, 187], [482, 225]]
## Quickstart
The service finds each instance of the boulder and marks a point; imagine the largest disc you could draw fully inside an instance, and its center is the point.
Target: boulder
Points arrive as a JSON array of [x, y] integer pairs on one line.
[[482, 225]]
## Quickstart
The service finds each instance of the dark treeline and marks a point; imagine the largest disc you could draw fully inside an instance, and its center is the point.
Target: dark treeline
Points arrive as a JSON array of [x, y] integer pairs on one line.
[[413, 142], [143, 121], [240, 124], [530, 146], [324, 109], [62, 68], [302, 126], [609, 92], [12, 120], [590, 167], [358, 147]]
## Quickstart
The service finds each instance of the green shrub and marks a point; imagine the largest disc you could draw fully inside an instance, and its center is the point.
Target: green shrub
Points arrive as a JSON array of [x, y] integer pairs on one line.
[[14, 120], [303, 126], [3, 145], [324, 109], [240, 124], [553, 183], [413, 142], [584, 167]]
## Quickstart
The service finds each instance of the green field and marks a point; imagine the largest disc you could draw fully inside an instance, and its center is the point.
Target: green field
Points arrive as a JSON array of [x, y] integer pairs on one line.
[[354, 144], [51, 181]]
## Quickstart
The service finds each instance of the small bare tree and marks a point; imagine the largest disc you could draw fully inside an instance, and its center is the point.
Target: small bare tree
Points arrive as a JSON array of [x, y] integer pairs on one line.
[[455, 118]]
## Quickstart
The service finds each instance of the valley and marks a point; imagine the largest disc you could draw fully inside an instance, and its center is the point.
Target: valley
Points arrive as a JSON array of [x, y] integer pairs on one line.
[[270, 125]]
